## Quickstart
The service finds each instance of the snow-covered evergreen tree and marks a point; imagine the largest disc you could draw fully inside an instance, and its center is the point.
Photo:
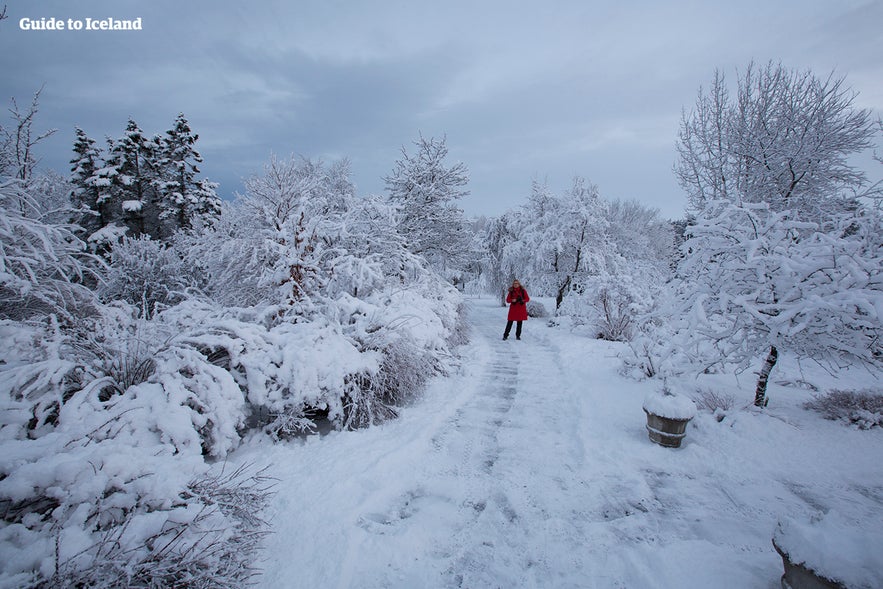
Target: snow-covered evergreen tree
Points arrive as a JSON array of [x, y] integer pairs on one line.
[[141, 185], [426, 190], [130, 175], [85, 194], [181, 195]]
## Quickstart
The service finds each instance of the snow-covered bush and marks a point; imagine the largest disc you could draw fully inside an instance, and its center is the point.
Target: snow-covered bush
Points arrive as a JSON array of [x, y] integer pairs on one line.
[[536, 309], [146, 273], [614, 307], [103, 481], [712, 401], [863, 409], [43, 266]]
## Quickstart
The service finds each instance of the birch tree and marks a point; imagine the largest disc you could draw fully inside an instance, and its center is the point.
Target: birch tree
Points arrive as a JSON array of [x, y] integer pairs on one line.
[[780, 212]]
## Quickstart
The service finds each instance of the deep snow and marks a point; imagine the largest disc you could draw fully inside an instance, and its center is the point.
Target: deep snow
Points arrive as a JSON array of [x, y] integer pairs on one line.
[[531, 467]]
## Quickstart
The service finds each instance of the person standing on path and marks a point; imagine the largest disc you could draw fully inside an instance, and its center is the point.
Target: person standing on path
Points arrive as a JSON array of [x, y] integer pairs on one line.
[[517, 299]]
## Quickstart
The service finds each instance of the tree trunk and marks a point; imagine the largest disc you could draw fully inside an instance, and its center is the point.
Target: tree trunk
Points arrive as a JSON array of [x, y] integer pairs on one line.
[[559, 297], [760, 398]]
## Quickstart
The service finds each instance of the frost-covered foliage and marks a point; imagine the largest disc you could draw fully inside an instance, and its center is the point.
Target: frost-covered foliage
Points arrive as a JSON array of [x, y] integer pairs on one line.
[[713, 401], [122, 382], [103, 436], [613, 306], [145, 185], [19, 139], [425, 191], [536, 309], [145, 273], [604, 262], [863, 409], [784, 253], [43, 266]]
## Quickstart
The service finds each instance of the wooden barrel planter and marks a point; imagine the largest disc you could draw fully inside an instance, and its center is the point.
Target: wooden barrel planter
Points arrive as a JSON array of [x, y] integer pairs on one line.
[[798, 576], [666, 432], [667, 418], [830, 551]]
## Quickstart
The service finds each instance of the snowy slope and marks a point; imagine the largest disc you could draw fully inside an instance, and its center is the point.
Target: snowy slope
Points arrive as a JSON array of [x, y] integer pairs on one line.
[[532, 468]]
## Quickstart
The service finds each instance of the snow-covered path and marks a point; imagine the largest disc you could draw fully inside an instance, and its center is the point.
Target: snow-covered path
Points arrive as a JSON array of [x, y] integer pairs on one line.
[[532, 468]]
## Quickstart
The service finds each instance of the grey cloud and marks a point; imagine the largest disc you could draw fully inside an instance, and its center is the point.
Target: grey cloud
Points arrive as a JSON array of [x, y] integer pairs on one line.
[[522, 90]]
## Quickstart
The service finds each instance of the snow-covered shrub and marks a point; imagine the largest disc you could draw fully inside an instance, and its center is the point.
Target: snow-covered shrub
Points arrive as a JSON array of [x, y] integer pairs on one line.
[[712, 401], [615, 307], [117, 346], [615, 310], [210, 544], [43, 266], [413, 331], [110, 489], [536, 309], [863, 409], [146, 273]]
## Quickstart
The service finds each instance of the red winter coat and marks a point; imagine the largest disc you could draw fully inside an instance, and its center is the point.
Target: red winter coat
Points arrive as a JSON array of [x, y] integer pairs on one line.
[[517, 311]]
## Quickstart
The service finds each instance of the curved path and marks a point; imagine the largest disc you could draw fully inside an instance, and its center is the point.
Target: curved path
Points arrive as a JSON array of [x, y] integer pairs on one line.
[[530, 467]]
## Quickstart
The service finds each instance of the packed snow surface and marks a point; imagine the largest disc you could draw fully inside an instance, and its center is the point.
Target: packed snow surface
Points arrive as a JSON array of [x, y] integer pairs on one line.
[[531, 467]]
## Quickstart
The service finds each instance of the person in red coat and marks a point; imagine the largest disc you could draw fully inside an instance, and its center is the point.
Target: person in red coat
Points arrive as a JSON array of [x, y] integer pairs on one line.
[[517, 299]]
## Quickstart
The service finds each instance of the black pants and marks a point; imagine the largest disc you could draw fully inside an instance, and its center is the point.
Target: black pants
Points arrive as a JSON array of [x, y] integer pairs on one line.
[[509, 328]]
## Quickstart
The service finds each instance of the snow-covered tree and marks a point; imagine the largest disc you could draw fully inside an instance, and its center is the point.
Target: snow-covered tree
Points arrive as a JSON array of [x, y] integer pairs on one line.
[[636, 262], [18, 141], [778, 205], [129, 177], [142, 185], [560, 241], [426, 190], [493, 242], [43, 265], [181, 195], [85, 194]]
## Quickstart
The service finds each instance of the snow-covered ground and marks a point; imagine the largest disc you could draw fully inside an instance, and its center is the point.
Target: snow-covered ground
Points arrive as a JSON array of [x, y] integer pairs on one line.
[[531, 467]]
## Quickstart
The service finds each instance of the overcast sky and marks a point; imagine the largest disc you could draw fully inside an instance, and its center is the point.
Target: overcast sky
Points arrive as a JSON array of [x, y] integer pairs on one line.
[[522, 90]]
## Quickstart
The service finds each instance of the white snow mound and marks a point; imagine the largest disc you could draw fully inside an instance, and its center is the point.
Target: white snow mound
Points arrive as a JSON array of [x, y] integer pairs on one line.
[[670, 406]]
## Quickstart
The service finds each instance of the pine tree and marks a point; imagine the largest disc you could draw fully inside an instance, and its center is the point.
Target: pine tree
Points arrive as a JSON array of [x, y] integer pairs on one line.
[[181, 195], [85, 192], [131, 174]]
